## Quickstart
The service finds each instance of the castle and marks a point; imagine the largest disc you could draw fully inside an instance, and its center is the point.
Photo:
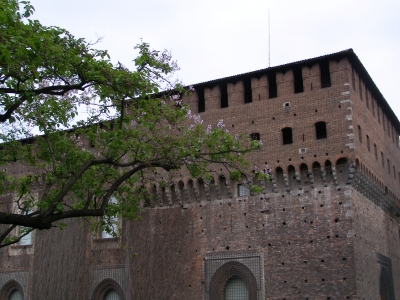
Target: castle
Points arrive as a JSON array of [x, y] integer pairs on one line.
[[326, 226]]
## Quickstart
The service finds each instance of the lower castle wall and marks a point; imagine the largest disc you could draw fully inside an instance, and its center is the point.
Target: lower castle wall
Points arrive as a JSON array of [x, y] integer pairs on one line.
[[305, 239], [316, 243]]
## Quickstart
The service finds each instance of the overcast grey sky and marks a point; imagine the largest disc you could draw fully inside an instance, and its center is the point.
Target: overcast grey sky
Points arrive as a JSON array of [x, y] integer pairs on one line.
[[216, 38]]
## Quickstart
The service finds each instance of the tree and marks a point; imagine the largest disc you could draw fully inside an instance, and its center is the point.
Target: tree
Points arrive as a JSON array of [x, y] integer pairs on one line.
[[135, 130]]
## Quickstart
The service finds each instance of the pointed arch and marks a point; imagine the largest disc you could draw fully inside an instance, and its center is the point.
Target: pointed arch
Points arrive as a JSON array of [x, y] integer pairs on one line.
[[226, 272], [105, 287], [11, 287]]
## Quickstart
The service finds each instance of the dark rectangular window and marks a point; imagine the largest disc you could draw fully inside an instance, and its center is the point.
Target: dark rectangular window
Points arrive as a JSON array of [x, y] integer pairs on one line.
[[368, 144], [325, 74], [224, 94], [287, 137], [388, 165], [298, 80], [201, 104], [272, 86], [320, 130], [383, 159], [255, 136], [247, 90]]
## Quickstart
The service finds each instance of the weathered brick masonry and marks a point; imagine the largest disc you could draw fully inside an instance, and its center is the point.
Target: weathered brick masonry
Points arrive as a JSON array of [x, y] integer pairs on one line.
[[325, 227]]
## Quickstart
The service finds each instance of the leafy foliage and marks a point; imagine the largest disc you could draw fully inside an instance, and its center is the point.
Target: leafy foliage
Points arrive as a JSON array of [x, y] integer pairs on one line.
[[83, 130]]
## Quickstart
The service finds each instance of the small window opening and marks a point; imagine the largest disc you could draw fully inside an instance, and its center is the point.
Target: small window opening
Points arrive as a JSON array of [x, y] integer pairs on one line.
[[388, 165], [325, 74], [224, 94], [376, 152], [320, 130], [247, 91], [368, 144], [298, 80], [255, 136], [287, 136], [201, 105], [243, 190], [383, 159], [272, 86]]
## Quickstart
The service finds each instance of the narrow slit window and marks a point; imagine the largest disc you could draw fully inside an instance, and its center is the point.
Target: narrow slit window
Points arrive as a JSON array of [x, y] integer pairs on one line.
[[383, 122], [272, 86], [224, 94], [201, 101], [247, 91], [320, 130], [373, 106], [379, 114], [287, 137], [376, 152], [383, 159], [368, 144], [298, 80], [325, 74], [393, 135], [388, 165]]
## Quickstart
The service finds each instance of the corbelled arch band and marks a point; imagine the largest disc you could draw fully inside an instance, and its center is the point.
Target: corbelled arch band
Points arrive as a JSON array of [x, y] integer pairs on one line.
[[225, 273], [10, 286]]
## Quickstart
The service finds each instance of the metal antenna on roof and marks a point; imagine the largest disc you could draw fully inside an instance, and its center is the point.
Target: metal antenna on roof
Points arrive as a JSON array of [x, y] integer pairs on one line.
[[269, 40]]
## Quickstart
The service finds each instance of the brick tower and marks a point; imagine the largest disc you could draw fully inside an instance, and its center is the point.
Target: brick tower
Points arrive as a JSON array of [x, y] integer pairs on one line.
[[326, 225]]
